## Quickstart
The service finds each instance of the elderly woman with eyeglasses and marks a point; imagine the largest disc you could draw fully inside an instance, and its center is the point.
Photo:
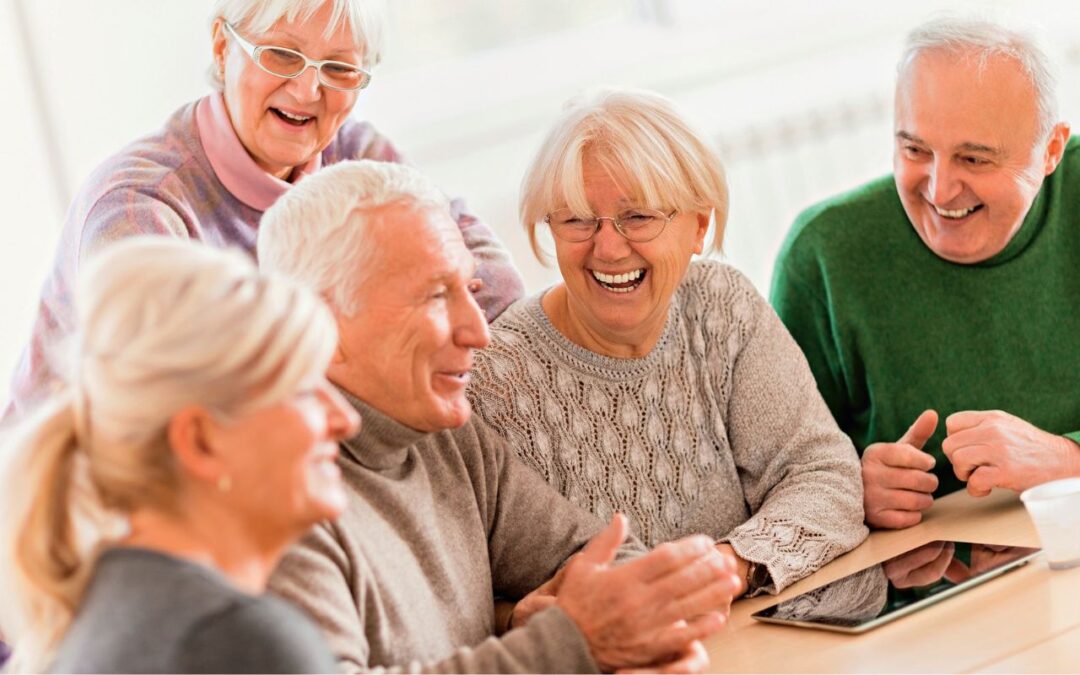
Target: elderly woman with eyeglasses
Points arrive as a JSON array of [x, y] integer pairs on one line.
[[653, 385], [288, 73]]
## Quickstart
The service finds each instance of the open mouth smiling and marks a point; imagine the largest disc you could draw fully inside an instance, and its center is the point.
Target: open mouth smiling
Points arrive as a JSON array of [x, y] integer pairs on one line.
[[294, 119], [956, 214], [620, 283]]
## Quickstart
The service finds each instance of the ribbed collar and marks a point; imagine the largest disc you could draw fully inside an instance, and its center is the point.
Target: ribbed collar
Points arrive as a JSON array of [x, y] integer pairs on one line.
[[383, 442], [1033, 223], [230, 160]]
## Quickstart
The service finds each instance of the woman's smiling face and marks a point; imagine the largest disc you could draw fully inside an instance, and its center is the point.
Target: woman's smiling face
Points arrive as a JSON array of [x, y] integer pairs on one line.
[[631, 309], [284, 123]]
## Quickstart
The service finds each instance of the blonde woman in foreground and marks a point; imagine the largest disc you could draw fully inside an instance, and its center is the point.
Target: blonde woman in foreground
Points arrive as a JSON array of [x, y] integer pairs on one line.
[[149, 502]]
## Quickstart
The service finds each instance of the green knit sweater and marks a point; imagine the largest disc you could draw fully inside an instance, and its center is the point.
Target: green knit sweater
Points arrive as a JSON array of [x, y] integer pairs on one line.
[[890, 329]]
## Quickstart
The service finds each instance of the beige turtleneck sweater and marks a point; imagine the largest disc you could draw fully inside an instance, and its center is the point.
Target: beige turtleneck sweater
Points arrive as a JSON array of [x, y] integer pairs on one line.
[[436, 526]]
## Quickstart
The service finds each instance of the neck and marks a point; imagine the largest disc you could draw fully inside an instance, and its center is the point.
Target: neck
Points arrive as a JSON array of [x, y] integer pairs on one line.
[[633, 344], [212, 535]]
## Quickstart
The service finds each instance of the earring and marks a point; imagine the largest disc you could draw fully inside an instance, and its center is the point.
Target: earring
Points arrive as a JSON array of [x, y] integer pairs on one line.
[[224, 484]]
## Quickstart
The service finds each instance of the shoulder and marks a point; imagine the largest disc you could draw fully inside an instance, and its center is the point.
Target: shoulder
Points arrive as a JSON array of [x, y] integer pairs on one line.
[[358, 139], [255, 634], [711, 288], [515, 337], [848, 217]]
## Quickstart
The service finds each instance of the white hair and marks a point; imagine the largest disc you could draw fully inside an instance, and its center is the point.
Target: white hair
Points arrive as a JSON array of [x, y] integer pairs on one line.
[[365, 18], [319, 232], [643, 141], [162, 324], [984, 39]]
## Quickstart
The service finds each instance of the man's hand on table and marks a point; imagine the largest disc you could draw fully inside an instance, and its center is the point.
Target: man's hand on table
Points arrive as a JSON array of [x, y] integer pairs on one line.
[[651, 611], [897, 483], [990, 449]]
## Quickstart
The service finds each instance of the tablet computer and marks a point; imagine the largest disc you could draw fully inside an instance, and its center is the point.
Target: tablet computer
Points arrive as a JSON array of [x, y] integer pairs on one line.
[[899, 586]]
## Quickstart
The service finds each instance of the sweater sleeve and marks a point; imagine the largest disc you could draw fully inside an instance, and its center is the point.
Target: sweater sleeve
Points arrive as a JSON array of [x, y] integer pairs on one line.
[[502, 282], [130, 211], [314, 575], [532, 529], [800, 474]]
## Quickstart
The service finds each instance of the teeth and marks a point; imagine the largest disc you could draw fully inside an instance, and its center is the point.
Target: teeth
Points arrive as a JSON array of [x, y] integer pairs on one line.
[[298, 118], [618, 278], [957, 213]]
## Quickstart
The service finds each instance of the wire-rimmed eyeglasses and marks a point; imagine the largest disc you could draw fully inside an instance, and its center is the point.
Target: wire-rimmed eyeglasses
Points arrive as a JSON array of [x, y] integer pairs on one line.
[[638, 225]]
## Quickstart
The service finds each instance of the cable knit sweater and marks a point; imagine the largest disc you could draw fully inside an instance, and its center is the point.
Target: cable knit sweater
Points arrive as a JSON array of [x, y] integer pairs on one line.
[[719, 429]]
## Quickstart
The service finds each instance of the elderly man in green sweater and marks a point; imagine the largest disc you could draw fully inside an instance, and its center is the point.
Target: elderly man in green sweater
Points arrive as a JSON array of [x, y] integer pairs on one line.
[[949, 289], [442, 516]]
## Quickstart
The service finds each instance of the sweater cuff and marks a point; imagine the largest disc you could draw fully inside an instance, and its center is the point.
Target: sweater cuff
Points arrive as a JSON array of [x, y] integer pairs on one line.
[[565, 648]]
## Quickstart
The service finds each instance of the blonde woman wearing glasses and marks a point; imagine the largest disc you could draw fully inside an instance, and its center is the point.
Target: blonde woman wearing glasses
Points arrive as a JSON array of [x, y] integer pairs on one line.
[[288, 73], [648, 384], [146, 505]]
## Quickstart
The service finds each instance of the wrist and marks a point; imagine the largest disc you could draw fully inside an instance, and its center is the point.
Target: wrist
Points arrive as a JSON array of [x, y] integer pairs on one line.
[[742, 568]]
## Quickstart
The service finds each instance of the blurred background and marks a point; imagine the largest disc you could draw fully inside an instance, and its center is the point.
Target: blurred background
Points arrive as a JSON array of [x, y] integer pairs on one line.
[[796, 95]]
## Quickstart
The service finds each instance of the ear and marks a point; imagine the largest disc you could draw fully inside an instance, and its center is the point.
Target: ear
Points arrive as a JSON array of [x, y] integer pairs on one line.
[[217, 39], [190, 433], [703, 218], [1055, 147]]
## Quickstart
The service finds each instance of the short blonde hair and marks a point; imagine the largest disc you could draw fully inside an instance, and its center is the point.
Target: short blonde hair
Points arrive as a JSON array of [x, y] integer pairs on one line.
[[646, 145], [319, 232], [162, 324], [366, 19]]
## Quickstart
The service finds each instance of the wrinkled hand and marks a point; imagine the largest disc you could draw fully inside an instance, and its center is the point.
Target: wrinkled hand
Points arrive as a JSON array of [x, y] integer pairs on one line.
[[922, 566], [990, 449], [650, 610], [694, 659], [897, 483], [538, 600]]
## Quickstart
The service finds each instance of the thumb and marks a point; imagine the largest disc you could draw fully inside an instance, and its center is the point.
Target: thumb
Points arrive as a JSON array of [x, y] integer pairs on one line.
[[920, 432], [601, 549]]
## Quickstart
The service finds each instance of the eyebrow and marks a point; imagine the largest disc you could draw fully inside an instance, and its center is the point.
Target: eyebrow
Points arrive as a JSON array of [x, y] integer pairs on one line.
[[334, 56], [963, 147]]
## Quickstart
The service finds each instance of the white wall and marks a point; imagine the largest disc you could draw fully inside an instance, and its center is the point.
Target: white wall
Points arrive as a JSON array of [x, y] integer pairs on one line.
[[796, 93]]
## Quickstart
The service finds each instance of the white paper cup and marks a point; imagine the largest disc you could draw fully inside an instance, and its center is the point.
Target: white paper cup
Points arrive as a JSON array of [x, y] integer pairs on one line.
[[1055, 509]]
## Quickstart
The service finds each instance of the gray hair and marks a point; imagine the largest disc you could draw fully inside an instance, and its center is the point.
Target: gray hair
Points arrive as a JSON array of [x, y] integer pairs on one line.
[[366, 19], [985, 39], [319, 231], [643, 140]]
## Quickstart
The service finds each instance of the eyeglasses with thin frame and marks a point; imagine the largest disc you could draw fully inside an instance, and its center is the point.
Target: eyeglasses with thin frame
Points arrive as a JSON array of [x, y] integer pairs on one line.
[[639, 225], [289, 63]]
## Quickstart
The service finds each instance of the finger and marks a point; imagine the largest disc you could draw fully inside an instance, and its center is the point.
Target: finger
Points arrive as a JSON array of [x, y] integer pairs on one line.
[[693, 660], [921, 429], [670, 557], [904, 500], [893, 519], [713, 597], [957, 571], [907, 479], [675, 638], [693, 576], [601, 548], [967, 459], [898, 455], [984, 479], [966, 419]]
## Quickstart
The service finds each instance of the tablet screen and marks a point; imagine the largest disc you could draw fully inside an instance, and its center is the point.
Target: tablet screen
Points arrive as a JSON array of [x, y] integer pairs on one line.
[[898, 586]]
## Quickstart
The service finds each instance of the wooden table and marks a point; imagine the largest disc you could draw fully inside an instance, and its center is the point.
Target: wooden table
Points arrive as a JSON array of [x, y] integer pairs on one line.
[[1027, 620]]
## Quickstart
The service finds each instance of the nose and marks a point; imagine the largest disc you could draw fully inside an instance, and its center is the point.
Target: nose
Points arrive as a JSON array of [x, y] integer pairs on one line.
[[342, 420], [943, 184], [608, 243], [471, 327], [304, 88]]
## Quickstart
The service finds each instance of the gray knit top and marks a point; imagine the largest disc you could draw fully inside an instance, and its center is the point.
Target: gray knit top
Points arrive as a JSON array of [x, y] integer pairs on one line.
[[718, 430]]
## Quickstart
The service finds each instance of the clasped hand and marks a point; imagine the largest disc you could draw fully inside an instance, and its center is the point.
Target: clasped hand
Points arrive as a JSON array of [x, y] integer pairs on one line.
[[651, 612]]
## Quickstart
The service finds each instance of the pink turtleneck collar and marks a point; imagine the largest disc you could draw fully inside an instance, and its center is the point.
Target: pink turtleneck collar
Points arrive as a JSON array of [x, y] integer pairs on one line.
[[234, 167]]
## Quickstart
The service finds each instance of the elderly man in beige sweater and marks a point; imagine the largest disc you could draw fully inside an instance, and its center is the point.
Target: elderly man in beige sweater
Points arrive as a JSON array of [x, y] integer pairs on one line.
[[442, 516]]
